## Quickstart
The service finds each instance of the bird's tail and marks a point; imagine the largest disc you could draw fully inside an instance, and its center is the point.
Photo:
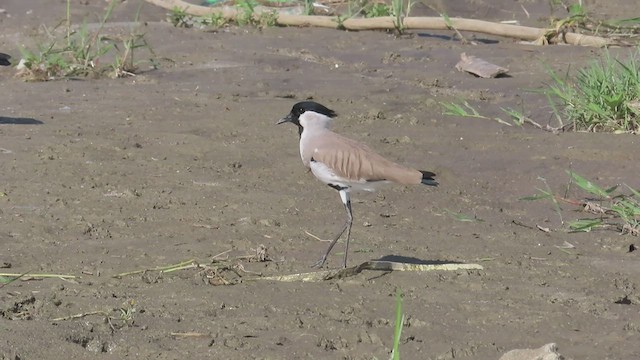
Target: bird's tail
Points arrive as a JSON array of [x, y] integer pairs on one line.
[[427, 178], [4, 59]]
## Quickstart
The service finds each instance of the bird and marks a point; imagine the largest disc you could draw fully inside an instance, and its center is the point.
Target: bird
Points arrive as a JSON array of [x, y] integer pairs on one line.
[[344, 164], [4, 59]]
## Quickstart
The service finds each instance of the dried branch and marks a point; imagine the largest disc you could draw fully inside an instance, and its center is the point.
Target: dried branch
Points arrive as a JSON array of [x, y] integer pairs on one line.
[[537, 35]]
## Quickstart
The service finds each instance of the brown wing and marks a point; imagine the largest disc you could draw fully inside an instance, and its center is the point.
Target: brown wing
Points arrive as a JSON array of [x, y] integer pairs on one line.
[[357, 162]]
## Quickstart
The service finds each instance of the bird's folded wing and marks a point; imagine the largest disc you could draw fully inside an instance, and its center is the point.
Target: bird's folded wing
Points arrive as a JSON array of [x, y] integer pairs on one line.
[[356, 162]]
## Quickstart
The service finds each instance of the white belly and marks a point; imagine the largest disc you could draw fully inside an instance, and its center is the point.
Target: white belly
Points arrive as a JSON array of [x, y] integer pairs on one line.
[[327, 176]]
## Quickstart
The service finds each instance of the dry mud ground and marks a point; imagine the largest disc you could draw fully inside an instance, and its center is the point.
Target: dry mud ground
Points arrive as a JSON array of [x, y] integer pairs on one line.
[[106, 176]]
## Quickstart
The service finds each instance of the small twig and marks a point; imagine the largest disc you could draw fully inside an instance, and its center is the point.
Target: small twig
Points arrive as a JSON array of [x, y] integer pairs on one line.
[[565, 250], [189, 334], [516, 222], [547, 127], [324, 275], [244, 257], [222, 253], [206, 226], [46, 276], [525, 11], [183, 267], [210, 271], [566, 245], [545, 229], [240, 267], [315, 237], [169, 268], [80, 316], [111, 326]]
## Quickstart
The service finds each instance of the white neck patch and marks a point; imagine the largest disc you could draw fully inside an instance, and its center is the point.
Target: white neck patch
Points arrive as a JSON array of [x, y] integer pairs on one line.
[[313, 120]]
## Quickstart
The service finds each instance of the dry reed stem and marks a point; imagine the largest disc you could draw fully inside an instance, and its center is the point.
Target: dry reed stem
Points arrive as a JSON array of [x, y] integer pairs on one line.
[[324, 275], [538, 35]]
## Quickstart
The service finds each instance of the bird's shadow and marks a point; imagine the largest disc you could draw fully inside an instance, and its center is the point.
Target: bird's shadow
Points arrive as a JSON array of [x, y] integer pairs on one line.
[[409, 260], [455, 38], [5, 120], [414, 260]]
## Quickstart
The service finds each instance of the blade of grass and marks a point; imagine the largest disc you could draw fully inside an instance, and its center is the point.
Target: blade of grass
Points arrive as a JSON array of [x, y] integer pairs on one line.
[[556, 206], [544, 195], [517, 116], [454, 109], [588, 186], [635, 192], [585, 225], [611, 189], [397, 332], [6, 280]]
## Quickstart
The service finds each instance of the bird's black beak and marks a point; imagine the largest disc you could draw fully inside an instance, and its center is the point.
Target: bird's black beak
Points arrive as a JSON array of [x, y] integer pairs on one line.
[[288, 118]]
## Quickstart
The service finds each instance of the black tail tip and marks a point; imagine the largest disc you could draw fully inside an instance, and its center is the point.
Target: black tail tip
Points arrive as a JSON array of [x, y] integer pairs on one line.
[[428, 178], [4, 59]]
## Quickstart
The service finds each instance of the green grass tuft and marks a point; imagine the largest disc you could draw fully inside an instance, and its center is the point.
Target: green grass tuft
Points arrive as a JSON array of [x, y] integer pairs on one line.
[[372, 10], [466, 110], [578, 19], [610, 208], [247, 15], [604, 96], [81, 52]]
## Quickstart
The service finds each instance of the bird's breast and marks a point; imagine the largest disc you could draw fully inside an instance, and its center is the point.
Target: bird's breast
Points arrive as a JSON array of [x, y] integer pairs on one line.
[[306, 148]]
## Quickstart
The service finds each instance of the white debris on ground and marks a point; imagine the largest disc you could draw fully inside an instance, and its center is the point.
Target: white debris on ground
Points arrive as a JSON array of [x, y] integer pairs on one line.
[[546, 352]]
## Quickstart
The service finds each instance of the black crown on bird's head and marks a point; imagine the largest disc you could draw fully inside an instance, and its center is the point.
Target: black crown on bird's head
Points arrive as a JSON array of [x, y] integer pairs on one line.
[[304, 106]]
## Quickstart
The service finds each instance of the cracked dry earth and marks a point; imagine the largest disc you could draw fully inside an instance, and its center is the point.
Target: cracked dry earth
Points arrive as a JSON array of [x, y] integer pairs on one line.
[[101, 176]]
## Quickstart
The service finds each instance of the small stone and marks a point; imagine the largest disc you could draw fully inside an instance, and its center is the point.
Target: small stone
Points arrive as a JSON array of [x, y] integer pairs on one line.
[[376, 114], [413, 322], [282, 340], [366, 337], [95, 346], [247, 221]]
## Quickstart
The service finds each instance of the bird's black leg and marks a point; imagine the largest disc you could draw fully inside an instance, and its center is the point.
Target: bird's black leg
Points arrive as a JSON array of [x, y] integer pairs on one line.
[[347, 206], [344, 196]]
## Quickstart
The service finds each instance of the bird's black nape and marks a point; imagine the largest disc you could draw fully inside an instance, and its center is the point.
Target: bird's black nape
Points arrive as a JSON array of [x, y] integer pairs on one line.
[[304, 106], [428, 178]]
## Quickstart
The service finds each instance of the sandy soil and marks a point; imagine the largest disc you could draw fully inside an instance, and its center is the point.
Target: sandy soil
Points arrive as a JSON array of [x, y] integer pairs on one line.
[[100, 177]]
